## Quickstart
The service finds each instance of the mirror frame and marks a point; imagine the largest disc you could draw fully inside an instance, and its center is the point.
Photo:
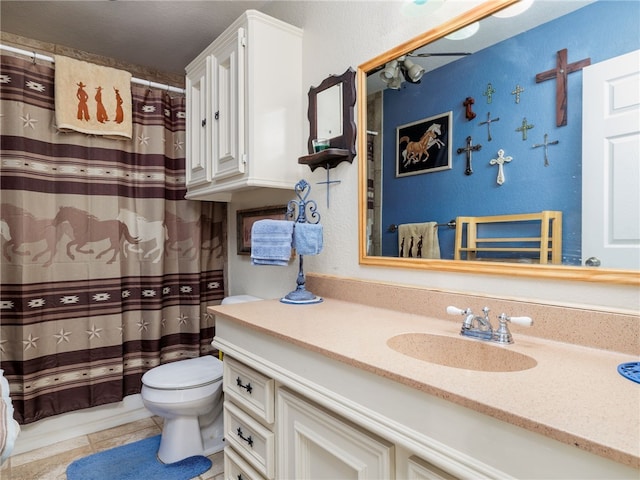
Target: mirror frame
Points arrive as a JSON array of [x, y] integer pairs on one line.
[[556, 272], [346, 141]]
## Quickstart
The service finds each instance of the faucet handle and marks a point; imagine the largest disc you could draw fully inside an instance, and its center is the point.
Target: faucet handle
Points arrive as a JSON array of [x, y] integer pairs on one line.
[[502, 334], [524, 321], [457, 311]]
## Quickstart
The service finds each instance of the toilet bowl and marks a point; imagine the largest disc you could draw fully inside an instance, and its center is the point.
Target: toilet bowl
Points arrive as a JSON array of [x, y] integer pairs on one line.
[[187, 394]]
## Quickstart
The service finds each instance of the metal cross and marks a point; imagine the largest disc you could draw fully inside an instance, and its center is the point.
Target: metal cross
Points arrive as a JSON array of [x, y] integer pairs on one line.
[[488, 123], [518, 90], [524, 128], [560, 73], [489, 92], [468, 149], [500, 161], [328, 183], [546, 147]]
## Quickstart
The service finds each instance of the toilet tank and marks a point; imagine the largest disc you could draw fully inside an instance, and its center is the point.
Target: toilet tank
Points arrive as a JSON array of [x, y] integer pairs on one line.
[[239, 299]]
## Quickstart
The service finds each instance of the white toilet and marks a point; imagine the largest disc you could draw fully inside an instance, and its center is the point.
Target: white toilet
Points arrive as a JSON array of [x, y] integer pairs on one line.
[[187, 394]]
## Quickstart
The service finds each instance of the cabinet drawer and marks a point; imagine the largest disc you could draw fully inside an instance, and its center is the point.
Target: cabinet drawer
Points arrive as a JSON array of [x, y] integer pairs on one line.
[[235, 468], [249, 389], [252, 440]]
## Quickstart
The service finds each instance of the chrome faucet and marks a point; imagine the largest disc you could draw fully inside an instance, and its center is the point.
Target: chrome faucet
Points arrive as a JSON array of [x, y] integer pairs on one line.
[[479, 326]]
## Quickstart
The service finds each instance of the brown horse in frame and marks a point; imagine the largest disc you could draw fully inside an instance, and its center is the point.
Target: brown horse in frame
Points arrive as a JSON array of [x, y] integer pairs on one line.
[[414, 151], [88, 228]]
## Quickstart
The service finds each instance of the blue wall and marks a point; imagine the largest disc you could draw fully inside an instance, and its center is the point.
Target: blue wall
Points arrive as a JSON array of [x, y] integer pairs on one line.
[[600, 31]]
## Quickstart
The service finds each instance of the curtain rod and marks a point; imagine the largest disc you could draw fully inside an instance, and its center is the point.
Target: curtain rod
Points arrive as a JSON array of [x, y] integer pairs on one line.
[[139, 81]]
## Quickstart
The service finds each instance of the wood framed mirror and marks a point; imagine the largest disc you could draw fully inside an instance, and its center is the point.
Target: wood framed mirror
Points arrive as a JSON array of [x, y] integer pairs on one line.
[[366, 71], [331, 113]]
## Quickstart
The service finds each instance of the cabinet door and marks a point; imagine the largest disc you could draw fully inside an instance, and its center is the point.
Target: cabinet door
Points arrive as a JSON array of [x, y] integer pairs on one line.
[[315, 444], [419, 469], [229, 87], [198, 149]]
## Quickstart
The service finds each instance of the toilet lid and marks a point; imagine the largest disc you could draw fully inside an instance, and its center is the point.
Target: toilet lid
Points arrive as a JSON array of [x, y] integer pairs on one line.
[[191, 373]]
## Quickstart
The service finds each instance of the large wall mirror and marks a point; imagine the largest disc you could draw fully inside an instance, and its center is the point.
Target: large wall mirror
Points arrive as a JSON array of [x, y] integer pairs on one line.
[[483, 117]]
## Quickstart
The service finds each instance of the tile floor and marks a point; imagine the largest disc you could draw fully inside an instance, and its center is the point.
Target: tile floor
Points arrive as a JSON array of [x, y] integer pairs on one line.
[[50, 463]]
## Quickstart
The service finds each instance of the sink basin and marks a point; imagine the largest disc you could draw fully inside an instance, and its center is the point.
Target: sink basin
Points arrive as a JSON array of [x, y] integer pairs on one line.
[[459, 352]]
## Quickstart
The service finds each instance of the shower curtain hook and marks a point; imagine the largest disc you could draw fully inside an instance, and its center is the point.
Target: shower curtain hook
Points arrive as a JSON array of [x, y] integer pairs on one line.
[[34, 57]]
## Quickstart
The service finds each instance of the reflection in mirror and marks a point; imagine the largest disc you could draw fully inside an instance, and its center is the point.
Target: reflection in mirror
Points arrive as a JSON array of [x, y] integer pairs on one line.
[[329, 105], [512, 155]]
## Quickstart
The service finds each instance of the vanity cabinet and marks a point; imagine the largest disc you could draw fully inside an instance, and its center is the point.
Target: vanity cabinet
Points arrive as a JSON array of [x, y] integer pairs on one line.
[[342, 402], [244, 106]]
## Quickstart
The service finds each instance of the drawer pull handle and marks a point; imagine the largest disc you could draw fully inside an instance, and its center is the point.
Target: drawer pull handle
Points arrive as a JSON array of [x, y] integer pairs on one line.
[[248, 439], [247, 387]]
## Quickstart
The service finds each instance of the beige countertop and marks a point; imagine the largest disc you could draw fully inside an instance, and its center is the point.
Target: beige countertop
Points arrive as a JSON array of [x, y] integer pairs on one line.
[[574, 394]]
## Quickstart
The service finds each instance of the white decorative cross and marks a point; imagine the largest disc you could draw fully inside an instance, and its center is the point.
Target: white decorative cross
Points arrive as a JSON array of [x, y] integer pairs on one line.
[[500, 162]]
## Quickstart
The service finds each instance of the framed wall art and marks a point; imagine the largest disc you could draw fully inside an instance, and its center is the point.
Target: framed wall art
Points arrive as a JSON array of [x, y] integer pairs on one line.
[[424, 146], [246, 218]]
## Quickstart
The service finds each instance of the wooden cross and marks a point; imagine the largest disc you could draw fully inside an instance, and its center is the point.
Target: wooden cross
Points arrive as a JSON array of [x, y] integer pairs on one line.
[[546, 147], [560, 73], [489, 92], [488, 123], [500, 161], [518, 90], [468, 113], [524, 128], [469, 148]]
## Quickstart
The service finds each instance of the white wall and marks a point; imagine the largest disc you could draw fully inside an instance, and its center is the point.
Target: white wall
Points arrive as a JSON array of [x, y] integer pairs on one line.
[[338, 35]]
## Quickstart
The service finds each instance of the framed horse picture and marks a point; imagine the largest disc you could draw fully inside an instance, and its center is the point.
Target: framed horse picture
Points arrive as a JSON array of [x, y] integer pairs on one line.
[[424, 146]]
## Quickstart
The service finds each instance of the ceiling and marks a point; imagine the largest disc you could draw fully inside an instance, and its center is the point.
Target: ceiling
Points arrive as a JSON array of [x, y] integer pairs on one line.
[[162, 35], [166, 35]]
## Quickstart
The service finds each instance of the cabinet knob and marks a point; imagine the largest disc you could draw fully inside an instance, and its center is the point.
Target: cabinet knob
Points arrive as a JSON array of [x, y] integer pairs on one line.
[[204, 122], [217, 115], [592, 262]]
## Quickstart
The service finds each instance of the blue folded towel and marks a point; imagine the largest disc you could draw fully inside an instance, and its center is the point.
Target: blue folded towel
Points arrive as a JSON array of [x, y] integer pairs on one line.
[[307, 238], [271, 242]]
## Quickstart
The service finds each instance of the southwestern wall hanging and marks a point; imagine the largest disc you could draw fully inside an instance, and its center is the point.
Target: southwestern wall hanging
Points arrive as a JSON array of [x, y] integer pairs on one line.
[[424, 146]]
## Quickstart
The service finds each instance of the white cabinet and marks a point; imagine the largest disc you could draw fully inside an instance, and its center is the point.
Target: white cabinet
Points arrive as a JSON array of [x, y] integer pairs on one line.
[[315, 444], [244, 110]]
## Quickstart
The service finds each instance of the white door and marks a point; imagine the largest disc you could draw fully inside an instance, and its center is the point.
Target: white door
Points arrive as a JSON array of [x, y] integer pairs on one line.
[[228, 141], [611, 163], [199, 125], [313, 444]]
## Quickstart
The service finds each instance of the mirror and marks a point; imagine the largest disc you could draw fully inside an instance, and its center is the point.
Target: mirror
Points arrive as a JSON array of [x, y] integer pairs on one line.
[[329, 117], [530, 185], [331, 113]]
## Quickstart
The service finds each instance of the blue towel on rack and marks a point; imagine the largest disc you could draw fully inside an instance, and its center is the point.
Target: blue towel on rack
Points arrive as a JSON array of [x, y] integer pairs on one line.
[[307, 238], [271, 242]]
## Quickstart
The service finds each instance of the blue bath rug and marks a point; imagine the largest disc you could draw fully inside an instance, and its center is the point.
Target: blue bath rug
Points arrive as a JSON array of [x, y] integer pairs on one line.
[[135, 461]]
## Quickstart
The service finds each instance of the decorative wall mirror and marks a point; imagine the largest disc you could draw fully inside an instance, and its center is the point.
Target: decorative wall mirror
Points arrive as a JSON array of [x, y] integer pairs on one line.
[[547, 178], [331, 114]]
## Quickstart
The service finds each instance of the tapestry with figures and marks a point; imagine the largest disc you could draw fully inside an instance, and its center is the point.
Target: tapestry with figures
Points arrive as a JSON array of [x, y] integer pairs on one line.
[[106, 269]]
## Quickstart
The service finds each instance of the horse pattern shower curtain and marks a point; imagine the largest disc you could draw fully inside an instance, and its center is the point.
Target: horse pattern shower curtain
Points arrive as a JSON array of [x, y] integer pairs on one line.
[[106, 269]]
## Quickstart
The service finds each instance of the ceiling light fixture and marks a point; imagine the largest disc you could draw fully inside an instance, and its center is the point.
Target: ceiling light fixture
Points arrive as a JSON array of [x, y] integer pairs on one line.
[[402, 68], [396, 71]]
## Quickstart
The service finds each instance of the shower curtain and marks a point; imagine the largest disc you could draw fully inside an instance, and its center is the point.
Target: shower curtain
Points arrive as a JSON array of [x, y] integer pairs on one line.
[[106, 269]]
